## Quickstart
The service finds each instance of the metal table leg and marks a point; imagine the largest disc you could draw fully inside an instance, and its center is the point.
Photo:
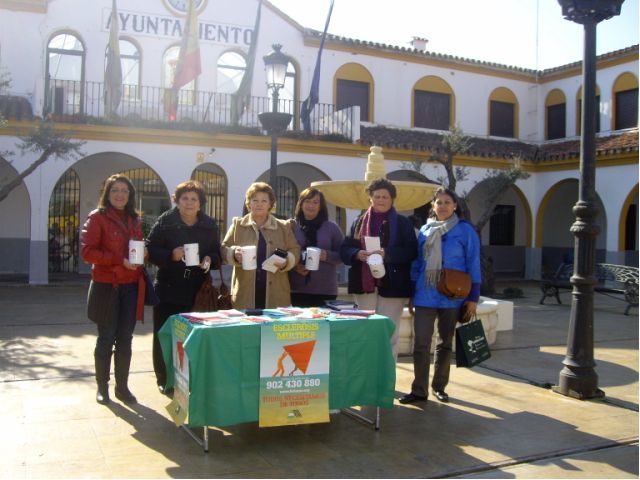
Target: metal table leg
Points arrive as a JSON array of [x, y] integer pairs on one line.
[[350, 412], [204, 443]]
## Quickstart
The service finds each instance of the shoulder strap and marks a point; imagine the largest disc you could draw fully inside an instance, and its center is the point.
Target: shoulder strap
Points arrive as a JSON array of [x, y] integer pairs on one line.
[[221, 278]]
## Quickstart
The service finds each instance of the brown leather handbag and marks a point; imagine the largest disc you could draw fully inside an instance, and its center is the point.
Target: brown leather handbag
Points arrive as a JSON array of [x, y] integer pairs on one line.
[[224, 295], [454, 284], [209, 298]]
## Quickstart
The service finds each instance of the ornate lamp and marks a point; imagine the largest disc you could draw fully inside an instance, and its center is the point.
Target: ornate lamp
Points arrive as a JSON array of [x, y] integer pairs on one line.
[[578, 378], [274, 122]]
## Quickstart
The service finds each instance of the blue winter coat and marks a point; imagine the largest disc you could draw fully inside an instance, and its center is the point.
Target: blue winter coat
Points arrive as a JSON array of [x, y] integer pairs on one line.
[[460, 251]]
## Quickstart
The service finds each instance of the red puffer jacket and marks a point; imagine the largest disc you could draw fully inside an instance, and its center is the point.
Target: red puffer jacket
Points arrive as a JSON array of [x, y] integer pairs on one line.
[[105, 244]]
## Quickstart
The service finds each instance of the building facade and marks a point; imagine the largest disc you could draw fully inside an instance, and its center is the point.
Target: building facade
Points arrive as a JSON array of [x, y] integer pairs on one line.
[[403, 99]]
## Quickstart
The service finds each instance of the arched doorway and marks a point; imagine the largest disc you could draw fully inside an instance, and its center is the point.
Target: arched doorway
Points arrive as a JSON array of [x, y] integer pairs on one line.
[[64, 224], [554, 220], [151, 194], [214, 181]]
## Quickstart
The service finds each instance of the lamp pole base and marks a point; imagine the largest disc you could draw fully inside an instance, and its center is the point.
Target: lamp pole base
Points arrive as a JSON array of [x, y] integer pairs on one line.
[[579, 383]]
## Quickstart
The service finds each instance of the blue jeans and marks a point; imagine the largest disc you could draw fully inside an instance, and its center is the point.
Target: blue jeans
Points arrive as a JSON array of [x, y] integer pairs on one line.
[[117, 335]]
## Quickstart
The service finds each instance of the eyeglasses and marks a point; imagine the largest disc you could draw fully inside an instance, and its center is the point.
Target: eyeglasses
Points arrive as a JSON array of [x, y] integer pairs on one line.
[[115, 191]]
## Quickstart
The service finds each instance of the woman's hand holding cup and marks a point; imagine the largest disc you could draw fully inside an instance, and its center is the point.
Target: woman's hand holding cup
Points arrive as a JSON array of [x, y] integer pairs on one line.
[[206, 264], [301, 270], [362, 255], [178, 254]]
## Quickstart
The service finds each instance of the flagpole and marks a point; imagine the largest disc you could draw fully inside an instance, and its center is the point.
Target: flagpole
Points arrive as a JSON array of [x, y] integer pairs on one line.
[[311, 101], [113, 70]]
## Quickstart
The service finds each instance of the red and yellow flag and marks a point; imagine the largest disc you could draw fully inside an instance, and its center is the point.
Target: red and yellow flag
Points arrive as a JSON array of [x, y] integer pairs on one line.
[[189, 66]]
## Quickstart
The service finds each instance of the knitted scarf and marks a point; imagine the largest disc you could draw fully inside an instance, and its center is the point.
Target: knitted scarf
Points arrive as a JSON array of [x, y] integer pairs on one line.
[[433, 247], [310, 229]]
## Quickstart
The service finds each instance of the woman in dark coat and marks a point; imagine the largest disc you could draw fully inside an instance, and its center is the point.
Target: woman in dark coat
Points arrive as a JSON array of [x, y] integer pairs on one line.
[[387, 295], [177, 284]]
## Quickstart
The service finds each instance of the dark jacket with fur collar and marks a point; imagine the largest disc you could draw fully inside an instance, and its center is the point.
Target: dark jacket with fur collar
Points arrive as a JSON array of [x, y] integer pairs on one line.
[[175, 282]]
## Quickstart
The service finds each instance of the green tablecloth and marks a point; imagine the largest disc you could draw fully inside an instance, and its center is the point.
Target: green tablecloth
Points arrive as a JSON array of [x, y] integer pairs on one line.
[[224, 365]]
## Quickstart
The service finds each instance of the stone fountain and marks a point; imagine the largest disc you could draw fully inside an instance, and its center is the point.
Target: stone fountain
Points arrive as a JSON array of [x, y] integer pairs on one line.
[[352, 194]]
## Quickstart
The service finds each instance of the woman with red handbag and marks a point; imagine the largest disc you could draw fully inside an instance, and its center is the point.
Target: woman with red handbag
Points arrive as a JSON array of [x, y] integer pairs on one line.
[[445, 243], [115, 299]]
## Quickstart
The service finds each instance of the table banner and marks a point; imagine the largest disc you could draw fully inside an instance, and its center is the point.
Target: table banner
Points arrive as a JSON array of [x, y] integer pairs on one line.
[[294, 373], [179, 406]]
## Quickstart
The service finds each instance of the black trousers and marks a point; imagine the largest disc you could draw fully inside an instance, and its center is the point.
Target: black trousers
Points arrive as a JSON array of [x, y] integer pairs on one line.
[[423, 323], [117, 335], [161, 313]]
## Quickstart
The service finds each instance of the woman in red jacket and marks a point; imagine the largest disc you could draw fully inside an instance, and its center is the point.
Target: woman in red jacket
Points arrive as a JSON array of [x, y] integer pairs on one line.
[[113, 293]]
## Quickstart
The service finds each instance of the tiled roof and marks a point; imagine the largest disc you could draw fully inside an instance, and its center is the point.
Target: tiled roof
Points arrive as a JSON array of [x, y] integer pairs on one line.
[[419, 140], [625, 141], [461, 60]]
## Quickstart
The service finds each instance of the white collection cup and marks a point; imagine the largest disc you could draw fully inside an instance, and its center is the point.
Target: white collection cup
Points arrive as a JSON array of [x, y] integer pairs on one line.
[[191, 254], [376, 265], [136, 252], [249, 257], [312, 261]]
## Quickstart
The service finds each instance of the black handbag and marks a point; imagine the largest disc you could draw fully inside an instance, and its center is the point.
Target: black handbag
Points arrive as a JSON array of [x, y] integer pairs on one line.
[[101, 302], [150, 296], [472, 347]]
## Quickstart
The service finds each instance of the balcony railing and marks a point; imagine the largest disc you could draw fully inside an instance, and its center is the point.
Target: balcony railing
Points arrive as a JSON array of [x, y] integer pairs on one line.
[[79, 102]]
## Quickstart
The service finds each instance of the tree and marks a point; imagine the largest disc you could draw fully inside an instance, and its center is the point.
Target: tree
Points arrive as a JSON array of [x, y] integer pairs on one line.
[[454, 143], [45, 141]]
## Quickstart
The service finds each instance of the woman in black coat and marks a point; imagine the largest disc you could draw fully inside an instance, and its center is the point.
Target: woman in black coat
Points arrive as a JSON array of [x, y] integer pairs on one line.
[[389, 294], [177, 284]]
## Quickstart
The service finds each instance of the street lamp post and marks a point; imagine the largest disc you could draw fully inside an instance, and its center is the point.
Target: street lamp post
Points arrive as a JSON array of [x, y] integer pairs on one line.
[[274, 122], [578, 378]]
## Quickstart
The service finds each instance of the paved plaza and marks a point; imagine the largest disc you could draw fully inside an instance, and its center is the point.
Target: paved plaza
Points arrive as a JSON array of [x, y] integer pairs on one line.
[[503, 420]]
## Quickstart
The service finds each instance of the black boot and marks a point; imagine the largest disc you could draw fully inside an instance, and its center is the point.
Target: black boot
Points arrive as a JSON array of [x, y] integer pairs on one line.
[[102, 365], [102, 396], [122, 392]]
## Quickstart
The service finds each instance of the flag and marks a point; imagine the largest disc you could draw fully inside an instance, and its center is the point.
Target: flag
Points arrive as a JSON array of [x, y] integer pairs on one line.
[[312, 99], [241, 97], [189, 66], [113, 71]]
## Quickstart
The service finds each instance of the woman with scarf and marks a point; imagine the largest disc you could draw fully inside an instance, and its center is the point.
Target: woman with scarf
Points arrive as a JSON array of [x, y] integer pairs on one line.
[[312, 228], [446, 241], [389, 294]]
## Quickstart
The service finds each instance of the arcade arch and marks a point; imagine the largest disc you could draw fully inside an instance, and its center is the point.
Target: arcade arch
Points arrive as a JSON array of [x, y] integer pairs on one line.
[[15, 235], [554, 220]]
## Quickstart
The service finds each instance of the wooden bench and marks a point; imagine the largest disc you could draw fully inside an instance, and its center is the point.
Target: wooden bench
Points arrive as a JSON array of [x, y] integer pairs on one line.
[[614, 279]]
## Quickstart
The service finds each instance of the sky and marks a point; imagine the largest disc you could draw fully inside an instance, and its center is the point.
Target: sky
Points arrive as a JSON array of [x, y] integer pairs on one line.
[[523, 33]]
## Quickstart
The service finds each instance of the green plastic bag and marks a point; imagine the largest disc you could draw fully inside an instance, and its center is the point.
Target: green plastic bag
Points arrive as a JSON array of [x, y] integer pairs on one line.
[[472, 347]]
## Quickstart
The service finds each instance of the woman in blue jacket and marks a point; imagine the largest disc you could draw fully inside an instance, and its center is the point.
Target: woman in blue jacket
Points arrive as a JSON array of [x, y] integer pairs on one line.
[[445, 241]]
